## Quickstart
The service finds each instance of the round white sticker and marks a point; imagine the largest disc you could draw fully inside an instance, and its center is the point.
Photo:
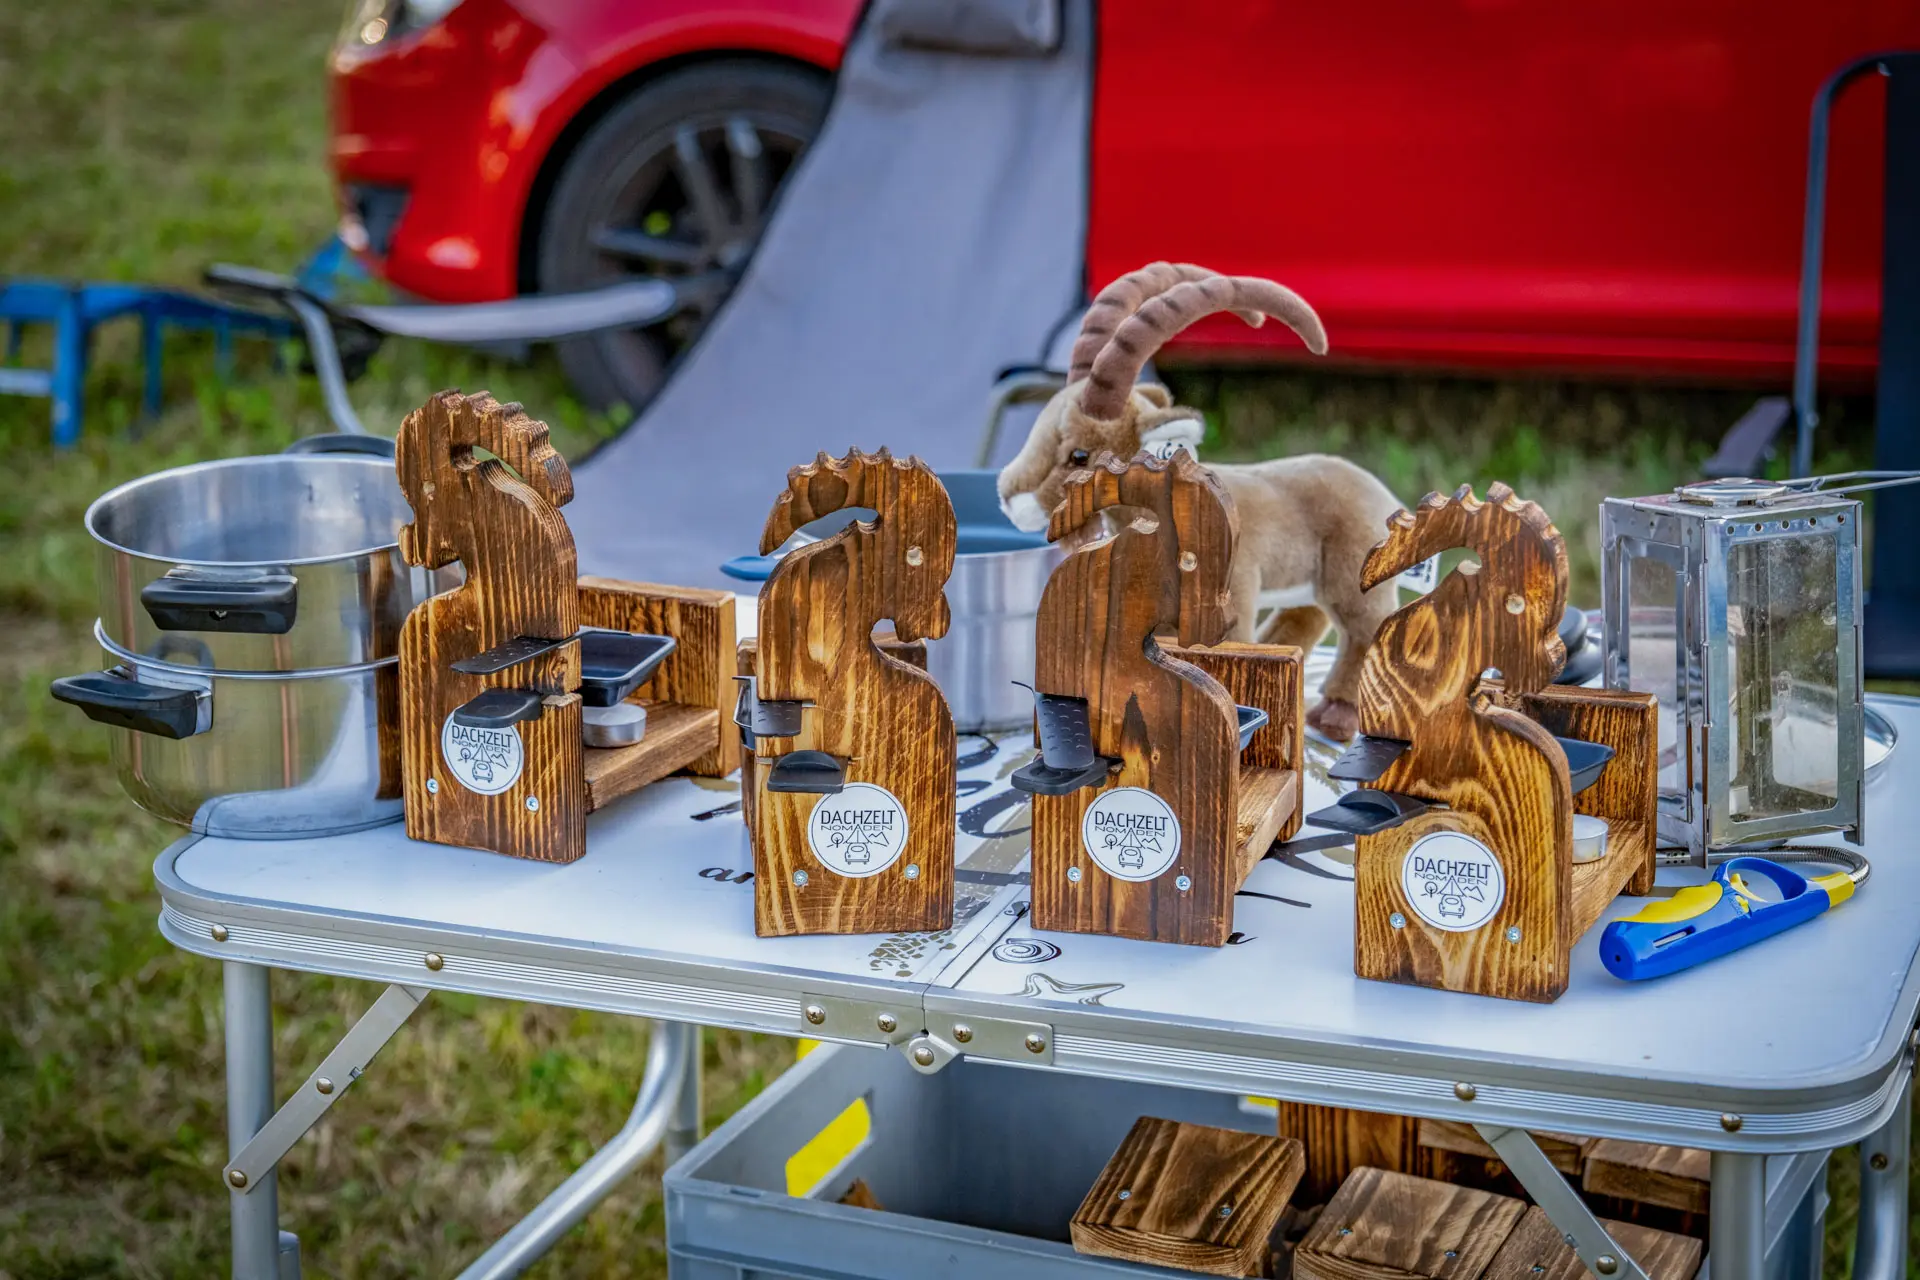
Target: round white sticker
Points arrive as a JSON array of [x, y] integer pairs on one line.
[[858, 832], [1452, 881], [1131, 833], [484, 760]]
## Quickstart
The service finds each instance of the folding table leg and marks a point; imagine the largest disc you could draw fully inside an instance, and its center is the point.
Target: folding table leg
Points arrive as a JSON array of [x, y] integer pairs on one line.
[[661, 1099], [249, 1028], [1880, 1249], [1562, 1204], [1737, 1217], [688, 1110]]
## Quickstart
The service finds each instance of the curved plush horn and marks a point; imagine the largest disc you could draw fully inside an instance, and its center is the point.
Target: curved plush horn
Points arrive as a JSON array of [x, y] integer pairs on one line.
[[1160, 318], [1122, 298]]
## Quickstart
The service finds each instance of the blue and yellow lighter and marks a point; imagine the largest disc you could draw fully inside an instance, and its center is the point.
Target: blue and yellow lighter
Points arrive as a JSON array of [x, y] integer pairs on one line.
[[1708, 920]]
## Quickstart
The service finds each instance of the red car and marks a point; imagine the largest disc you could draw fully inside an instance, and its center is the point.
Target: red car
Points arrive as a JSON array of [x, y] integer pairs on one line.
[[1477, 184]]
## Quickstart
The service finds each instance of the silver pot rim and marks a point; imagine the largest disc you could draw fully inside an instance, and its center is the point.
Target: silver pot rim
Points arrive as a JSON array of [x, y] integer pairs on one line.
[[101, 503], [223, 673]]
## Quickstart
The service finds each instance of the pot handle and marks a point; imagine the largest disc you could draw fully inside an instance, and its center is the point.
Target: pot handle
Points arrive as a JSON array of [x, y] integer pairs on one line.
[[116, 698], [187, 600]]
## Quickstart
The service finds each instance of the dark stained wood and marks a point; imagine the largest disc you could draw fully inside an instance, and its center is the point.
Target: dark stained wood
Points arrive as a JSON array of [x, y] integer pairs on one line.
[[1537, 1251], [1267, 676], [699, 671], [1339, 1140], [883, 718], [861, 1196], [1178, 1178], [1392, 1226], [1670, 1177], [1562, 1150], [1480, 749], [499, 518], [1154, 706], [504, 526]]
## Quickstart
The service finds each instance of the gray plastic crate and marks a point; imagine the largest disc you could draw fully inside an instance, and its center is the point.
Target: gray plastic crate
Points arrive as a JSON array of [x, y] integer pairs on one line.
[[980, 1168]]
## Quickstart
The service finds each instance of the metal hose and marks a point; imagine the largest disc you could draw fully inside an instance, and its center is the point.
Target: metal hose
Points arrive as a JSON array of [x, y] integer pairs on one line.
[[1857, 867]]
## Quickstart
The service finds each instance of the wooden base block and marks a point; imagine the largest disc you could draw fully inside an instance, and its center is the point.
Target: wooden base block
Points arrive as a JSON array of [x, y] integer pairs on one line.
[[1390, 1226], [1340, 1140], [678, 737], [1561, 1149], [1269, 799], [1671, 1177], [1537, 1251], [1190, 1196]]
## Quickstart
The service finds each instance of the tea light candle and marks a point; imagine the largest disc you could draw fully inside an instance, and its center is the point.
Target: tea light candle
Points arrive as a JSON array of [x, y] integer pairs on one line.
[[1589, 838]]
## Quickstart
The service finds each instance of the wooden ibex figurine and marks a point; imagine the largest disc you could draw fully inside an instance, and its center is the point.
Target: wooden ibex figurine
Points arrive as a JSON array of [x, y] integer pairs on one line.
[[853, 800], [1465, 877], [496, 674], [1146, 815]]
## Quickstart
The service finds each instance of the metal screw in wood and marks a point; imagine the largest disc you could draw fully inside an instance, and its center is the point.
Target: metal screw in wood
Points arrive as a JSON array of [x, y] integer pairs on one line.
[[1516, 603], [219, 933], [1226, 1211], [1188, 562], [800, 878], [913, 871], [815, 1014], [1465, 1092], [1126, 1193], [435, 961], [1073, 875], [433, 786], [1397, 920], [1182, 883], [533, 804], [1513, 933], [915, 556]]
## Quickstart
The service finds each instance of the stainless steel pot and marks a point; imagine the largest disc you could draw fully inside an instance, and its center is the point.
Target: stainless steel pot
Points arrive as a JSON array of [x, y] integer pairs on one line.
[[248, 754], [994, 597], [282, 563]]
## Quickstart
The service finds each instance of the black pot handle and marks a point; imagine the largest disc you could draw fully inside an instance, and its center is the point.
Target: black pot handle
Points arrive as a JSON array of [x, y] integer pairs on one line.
[[187, 601], [116, 698], [343, 442]]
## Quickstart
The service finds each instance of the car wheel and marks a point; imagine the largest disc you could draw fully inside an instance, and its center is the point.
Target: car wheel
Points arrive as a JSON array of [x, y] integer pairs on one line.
[[676, 180]]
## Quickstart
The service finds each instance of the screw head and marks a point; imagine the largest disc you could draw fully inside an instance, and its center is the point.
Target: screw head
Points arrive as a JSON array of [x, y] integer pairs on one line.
[[1188, 562], [815, 1014], [923, 1055], [962, 1032], [533, 804], [323, 1084], [1397, 920], [887, 1023], [1465, 1092], [433, 786], [218, 933], [236, 1177], [1346, 1231], [1126, 1193], [1073, 875], [1513, 933], [1537, 1269], [1516, 603], [1226, 1211], [435, 961], [800, 878], [915, 556], [1731, 1122], [1453, 1253], [1182, 883], [1036, 1043], [1606, 1264], [913, 871], [1878, 1160]]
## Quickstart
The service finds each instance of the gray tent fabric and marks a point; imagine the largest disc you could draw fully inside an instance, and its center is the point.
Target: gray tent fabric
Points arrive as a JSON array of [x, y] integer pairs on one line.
[[933, 235]]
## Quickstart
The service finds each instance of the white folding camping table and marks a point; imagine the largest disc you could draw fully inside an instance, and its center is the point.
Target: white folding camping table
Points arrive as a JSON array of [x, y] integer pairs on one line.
[[1770, 1058]]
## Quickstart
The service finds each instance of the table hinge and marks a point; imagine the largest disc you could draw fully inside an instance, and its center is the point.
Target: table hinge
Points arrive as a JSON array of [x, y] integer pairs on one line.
[[998, 1039], [860, 1021]]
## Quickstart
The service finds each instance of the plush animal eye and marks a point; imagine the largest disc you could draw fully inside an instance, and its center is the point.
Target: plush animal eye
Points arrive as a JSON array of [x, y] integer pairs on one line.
[[1079, 457]]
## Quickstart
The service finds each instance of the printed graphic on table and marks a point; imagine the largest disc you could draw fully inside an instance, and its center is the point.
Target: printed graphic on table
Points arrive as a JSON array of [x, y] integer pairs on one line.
[[1131, 833], [1453, 881], [484, 760], [859, 832]]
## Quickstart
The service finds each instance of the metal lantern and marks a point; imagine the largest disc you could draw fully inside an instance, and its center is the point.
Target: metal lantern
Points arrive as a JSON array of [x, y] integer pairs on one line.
[[1737, 604]]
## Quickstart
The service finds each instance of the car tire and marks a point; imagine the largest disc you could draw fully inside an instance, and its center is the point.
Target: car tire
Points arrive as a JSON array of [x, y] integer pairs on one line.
[[677, 179]]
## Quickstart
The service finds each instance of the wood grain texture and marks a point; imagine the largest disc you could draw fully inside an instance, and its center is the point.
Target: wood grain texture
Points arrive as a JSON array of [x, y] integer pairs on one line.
[[1501, 777], [1270, 677], [1627, 794], [884, 719], [1670, 1177], [679, 737], [698, 673], [1339, 1140], [1562, 1150], [506, 530], [1537, 1251], [1392, 1226], [1169, 723], [1178, 1178]]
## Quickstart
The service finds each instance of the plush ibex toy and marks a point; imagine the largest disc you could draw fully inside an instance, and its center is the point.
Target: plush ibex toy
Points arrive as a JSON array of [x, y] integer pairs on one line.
[[1306, 523]]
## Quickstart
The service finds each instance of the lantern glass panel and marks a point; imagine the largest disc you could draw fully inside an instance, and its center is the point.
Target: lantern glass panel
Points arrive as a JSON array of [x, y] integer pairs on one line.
[[1653, 656], [1782, 662]]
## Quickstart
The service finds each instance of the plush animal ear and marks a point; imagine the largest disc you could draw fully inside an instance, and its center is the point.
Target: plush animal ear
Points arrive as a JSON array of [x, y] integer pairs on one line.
[[1159, 396], [1164, 438]]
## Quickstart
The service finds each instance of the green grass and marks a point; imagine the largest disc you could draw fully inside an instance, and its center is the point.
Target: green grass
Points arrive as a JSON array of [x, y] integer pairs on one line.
[[142, 141]]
